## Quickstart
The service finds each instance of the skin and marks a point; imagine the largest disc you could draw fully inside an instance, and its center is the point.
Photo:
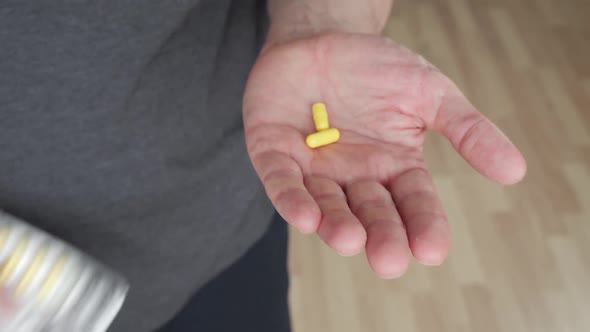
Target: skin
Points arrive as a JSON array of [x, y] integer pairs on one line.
[[371, 191], [6, 306]]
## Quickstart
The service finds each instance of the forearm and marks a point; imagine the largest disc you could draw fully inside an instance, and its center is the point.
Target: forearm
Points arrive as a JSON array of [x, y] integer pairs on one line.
[[292, 19]]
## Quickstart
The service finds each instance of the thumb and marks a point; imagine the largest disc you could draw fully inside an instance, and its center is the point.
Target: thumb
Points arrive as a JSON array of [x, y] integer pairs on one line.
[[485, 147]]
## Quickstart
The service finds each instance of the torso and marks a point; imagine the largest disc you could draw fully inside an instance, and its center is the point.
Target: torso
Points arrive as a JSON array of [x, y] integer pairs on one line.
[[121, 132]]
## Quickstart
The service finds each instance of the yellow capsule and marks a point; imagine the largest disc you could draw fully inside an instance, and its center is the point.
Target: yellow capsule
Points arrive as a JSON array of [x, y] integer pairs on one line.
[[322, 138], [13, 260], [52, 277], [320, 116], [31, 272]]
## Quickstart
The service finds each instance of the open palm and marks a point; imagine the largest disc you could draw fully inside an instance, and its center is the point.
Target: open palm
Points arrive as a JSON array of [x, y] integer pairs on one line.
[[371, 190]]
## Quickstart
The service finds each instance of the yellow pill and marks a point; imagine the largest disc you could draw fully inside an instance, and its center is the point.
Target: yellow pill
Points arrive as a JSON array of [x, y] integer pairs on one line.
[[13, 260], [31, 272], [322, 138], [52, 277], [320, 116]]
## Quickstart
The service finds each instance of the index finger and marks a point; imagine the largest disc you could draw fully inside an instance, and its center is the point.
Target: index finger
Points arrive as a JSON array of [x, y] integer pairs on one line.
[[283, 181]]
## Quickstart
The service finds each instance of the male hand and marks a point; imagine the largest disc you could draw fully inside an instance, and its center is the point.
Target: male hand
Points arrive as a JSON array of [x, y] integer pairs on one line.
[[7, 306], [371, 190]]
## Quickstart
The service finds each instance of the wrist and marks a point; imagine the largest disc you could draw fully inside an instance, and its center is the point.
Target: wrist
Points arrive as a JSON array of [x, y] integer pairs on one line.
[[299, 20]]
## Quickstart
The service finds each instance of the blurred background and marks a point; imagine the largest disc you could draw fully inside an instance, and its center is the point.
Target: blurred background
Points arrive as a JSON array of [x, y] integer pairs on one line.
[[520, 259]]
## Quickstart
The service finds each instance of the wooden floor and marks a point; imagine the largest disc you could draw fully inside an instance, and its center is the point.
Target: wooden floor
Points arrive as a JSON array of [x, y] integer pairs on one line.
[[520, 259]]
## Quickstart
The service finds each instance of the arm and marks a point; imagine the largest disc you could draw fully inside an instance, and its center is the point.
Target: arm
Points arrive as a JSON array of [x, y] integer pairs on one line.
[[294, 19]]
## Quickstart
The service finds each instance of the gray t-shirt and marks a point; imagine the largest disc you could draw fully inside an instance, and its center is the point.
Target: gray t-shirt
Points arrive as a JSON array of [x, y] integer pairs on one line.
[[121, 133]]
